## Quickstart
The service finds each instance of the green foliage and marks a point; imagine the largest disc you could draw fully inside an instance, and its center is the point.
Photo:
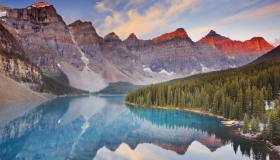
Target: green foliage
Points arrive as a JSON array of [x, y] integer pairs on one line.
[[246, 126], [230, 93], [272, 132], [255, 122]]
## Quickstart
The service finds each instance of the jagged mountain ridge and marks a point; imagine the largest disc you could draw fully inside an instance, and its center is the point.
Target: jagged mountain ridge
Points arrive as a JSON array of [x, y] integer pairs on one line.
[[176, 52], [83, 55]]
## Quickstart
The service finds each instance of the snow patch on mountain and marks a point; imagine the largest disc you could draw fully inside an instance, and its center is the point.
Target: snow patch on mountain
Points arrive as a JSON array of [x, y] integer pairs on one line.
[[193, 72], [83, 58], [163, 71], [205, 69], [231, 57], [147, 69], [3, 13]]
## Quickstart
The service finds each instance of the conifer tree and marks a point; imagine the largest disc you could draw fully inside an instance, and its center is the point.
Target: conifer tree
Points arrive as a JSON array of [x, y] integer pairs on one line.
[[254, 124], [239, 104], [246, 124]]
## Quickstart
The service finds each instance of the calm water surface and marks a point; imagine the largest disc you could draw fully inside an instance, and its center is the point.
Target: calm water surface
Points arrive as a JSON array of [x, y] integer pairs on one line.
[[103, 128]]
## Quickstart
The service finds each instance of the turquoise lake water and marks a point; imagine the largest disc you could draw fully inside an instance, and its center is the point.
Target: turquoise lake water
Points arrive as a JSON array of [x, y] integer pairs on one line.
[[104, 128]]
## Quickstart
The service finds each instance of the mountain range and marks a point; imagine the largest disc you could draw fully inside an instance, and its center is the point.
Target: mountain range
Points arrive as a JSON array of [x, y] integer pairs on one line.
[[90, 61]]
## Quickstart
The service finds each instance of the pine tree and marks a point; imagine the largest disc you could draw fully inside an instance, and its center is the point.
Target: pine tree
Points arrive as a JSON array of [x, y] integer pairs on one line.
[[254, 124], [215, 103], [246, 124], [248, 100], [239, 104], [274, 126], [269, 93], [254, 106], [260, 105], [169, 95], [182, 100], [148, 98]]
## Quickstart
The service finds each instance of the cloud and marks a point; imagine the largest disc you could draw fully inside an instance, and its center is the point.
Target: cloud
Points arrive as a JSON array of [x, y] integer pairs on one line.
[[276, 42], [107, 5], [145, 17], [141, 22], [179, 6], [101, 7], [255, 14], [112, 20], [243, 16], [134, 3]]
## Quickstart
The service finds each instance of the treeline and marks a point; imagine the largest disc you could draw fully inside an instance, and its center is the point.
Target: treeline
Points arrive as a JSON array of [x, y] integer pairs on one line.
[[231, 93]]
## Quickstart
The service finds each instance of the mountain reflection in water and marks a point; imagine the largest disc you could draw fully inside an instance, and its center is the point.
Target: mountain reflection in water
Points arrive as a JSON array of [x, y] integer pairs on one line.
[[104, 128]]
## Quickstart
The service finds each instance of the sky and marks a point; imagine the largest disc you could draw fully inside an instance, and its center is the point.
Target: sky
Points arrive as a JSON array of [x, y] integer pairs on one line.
[[237, 19]]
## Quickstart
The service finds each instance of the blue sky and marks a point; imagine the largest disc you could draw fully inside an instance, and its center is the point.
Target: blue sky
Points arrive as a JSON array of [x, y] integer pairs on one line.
[[237, 19]]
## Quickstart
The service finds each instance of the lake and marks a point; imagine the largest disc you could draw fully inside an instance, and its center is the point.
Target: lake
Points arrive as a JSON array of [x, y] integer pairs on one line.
[[104, 128]]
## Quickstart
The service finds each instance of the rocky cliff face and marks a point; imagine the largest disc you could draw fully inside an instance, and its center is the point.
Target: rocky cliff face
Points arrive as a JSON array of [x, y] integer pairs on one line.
[[254, 46], [118, 54], [19, 70], [8, 42], [88, 40], [44, 36], [175, 53], [13, 65], [106, 55]]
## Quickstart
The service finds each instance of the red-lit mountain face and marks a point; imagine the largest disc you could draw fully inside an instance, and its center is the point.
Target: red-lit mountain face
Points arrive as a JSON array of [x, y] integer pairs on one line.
[[256, 45], [178, 33]]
